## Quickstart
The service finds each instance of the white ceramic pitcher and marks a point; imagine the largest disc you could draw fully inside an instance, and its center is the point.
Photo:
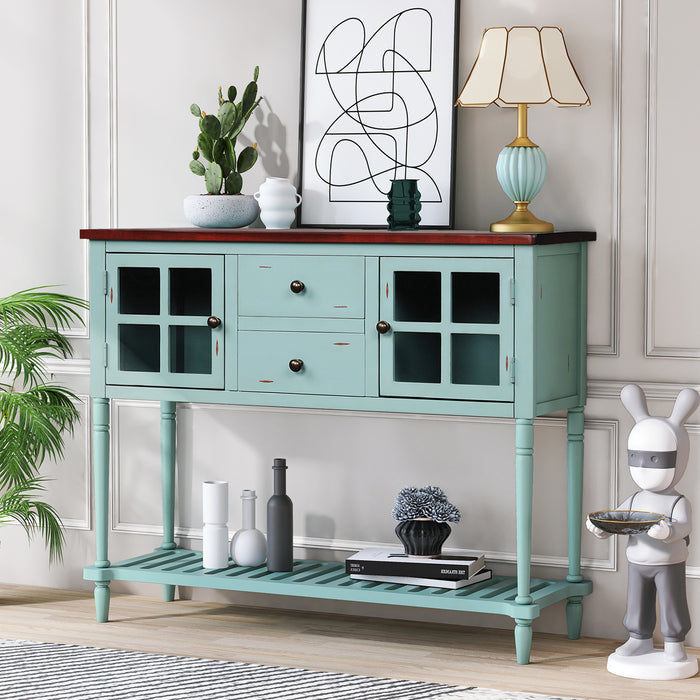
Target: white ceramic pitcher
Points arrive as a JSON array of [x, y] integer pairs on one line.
[[277, 199]]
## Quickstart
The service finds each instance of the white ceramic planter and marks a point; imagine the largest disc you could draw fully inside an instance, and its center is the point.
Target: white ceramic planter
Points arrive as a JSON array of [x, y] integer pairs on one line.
[[278, 199], [215, 502], [221, 210], [215, 530]]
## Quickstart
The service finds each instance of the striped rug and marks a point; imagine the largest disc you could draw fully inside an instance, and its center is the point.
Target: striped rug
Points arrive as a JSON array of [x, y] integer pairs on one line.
[[43, 671]]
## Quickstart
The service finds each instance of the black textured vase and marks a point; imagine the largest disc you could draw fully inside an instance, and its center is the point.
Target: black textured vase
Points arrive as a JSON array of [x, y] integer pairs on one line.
[[422, 537], [279, 522], [404, 205]]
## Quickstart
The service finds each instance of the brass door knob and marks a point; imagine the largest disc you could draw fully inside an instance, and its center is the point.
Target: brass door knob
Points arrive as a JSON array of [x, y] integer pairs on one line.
[[383, 327], [213, 322], [297, 286], [296, 365]]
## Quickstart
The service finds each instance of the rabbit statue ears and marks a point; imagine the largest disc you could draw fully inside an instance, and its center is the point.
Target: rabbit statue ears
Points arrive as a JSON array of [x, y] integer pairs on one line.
[[635, 402], [657, 433]]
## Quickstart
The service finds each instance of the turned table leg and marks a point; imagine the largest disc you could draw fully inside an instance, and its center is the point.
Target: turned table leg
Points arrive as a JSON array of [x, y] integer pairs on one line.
[[167, 458], [574, 461], [524, 450], [100, 410]]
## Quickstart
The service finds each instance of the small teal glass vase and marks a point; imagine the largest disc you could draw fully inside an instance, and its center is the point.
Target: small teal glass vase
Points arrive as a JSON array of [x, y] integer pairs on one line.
[[404, 205]]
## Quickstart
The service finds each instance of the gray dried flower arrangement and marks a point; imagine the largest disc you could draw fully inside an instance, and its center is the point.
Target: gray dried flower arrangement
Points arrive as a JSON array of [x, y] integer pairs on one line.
[[427, 502]]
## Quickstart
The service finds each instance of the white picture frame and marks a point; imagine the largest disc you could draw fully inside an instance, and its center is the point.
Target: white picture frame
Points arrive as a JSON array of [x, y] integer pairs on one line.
[[377, 103]]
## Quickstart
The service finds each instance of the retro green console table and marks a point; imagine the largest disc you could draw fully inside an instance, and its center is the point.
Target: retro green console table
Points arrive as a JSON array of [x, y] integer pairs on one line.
[[439, 322]]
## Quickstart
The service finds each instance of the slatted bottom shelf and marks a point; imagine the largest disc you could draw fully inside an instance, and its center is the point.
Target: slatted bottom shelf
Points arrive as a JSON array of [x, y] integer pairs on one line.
[[316, 579]]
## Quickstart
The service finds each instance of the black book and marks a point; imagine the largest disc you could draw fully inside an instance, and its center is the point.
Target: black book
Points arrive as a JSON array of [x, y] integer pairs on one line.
[[395, 562]]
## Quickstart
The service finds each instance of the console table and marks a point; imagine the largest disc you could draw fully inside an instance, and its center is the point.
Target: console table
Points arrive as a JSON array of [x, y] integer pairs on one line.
[[439, 322]]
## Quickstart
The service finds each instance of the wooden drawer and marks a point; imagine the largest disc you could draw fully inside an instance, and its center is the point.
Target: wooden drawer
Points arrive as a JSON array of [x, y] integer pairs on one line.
[[333, 286], [333, 363]]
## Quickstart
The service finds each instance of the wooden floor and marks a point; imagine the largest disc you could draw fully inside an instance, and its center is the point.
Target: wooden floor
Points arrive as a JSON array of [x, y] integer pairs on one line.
[[365, 646]]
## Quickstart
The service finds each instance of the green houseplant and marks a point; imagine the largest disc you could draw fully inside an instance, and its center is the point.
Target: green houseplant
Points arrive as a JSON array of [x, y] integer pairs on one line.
[[216, 145], [35, 413]]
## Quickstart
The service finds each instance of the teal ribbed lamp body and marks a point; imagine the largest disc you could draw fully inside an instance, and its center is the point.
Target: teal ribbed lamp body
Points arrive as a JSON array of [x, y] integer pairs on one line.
[[521, 171]]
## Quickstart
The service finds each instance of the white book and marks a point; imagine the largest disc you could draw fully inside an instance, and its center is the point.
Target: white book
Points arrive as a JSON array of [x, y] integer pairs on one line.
[[454, 566], [483, 575]]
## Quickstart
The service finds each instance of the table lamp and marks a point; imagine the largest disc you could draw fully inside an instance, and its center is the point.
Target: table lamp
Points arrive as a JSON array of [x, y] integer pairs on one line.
[[519, 67]]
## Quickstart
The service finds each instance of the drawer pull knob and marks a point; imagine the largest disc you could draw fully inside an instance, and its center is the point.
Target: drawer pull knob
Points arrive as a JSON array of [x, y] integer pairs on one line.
[[383, 327], [213, 322], [297, 286], [296, 365]]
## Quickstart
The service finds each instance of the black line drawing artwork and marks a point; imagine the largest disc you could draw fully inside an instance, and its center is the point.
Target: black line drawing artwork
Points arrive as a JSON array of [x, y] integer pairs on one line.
[[386, 124]]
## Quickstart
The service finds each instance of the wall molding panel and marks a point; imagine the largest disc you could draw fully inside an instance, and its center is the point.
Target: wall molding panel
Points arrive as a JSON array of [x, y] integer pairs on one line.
[[69, 367], [611, 388], [117, 523], [692, 572], [84, 522], [84, 330], [654, 346], [112, 111], [612, 348]]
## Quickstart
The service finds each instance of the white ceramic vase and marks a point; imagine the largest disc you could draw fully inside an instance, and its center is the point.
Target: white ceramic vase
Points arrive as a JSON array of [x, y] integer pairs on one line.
[[215, 530], [248, 545], [277, 199], [221, 210]]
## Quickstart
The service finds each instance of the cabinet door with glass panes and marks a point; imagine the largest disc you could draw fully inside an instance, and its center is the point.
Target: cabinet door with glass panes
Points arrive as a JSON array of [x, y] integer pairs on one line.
[[447, 329], [165, 320]]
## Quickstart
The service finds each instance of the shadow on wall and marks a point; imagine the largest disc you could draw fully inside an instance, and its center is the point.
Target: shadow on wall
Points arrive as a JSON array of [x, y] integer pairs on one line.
[[271, 136], [321, 526]]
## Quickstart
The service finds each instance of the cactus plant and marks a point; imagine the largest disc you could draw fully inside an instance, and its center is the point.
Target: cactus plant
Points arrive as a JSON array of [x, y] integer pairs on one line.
[[216, 142]]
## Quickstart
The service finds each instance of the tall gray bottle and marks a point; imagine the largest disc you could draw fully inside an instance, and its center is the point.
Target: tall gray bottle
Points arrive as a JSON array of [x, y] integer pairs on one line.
[[279, 521]]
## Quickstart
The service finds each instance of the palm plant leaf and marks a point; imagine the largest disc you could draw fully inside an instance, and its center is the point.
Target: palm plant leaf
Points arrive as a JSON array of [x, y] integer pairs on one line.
[[34, 414], [18, 456], [32, 425], [34, 306], [24, 349], [19, 505]]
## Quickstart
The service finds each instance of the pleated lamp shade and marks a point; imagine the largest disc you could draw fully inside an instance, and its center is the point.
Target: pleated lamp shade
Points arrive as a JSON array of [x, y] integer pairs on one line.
[[523, 65]]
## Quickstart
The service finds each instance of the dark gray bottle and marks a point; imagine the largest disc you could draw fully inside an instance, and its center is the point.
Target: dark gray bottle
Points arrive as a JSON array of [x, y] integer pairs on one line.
[[279, 521]]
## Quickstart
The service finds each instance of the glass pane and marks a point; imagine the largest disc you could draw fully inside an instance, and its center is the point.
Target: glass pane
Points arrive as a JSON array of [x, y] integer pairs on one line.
[[139, 290], [190, 291], [475, 297], [475, 359], [417, 296], [417, 357], [139, 348], [190, 349]]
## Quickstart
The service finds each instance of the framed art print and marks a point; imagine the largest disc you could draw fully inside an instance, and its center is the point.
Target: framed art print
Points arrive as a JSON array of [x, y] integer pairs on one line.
[[378, 89]]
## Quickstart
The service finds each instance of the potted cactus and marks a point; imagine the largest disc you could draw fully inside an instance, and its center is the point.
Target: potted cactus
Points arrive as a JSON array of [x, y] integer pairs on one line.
[[423, 514], [216, 159]]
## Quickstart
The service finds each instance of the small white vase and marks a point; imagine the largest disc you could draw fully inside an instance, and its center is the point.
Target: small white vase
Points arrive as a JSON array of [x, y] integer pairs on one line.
[[248, 545], [215, 530], [277, 199], [214, 546], [221, 210]]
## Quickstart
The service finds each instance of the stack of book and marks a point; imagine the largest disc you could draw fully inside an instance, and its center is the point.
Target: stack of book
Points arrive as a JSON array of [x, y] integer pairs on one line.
[[395, 566]]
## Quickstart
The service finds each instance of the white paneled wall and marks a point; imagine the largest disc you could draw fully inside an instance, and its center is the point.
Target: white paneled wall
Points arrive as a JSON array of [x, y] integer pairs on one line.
[[672, 249], [98, 133]]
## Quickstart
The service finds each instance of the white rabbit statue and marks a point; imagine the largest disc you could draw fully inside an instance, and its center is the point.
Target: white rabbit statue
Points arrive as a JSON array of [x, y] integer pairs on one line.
[[658, 450]]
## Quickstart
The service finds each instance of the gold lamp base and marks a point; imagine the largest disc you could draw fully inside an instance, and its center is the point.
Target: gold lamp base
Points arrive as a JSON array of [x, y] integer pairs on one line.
[[522, 220]]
